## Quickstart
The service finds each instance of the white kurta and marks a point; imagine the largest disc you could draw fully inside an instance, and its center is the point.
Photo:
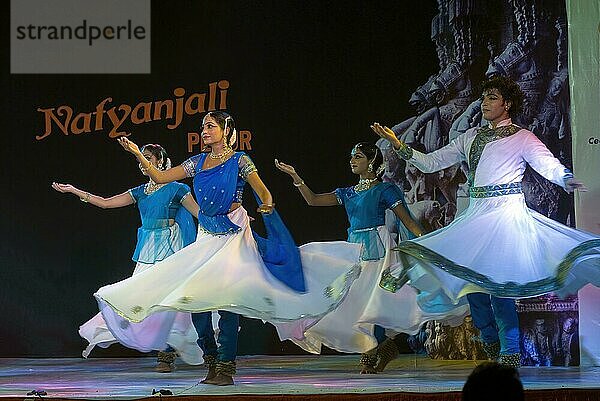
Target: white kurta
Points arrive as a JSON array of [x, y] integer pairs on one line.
[[498, 245]]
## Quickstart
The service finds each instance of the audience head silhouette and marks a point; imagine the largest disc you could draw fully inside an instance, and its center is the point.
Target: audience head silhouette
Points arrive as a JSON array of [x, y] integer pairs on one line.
[[492, 381]]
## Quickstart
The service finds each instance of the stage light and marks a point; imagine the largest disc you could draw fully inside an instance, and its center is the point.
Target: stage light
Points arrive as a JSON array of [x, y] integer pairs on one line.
[[161, 392], [38, 393]]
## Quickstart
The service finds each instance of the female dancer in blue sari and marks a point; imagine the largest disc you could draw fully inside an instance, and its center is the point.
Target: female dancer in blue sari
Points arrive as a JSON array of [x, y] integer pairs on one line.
[[167, 226], [229, 268], [357, 324]]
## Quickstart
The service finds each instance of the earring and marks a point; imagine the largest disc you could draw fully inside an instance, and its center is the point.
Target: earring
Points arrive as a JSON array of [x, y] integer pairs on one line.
[[233, 138], [370, 169]]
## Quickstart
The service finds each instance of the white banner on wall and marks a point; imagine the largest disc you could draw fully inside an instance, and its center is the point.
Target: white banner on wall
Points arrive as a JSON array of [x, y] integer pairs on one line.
[[584, 74]]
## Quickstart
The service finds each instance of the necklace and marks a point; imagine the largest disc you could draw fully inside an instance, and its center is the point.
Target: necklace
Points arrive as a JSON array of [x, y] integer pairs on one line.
[[152, 187], [364, 184], [221, 156]]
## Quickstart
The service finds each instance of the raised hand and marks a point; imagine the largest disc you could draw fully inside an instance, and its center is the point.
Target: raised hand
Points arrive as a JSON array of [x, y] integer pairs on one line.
[[387, 134], [286, 168], [64, 188], [572, 184], [128, 145]]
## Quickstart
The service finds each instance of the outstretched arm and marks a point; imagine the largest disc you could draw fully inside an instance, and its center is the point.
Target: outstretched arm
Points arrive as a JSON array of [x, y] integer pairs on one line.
[[428, 163], [158, 176], [544, 162], [390, 136], [120, 200], [327, 199]]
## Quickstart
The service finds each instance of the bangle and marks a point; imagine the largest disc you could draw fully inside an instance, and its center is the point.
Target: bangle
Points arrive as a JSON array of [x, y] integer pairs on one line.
[[86, 198], [266, 208], [299, 184]]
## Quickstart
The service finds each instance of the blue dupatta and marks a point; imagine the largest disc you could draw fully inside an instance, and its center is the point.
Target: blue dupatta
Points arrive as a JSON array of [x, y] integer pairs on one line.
[[279, 252], [215, 191]]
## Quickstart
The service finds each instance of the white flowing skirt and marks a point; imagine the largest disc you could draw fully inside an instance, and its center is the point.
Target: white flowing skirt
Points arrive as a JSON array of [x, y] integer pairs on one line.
[[227, 273], [350, 327], [499, 246], [150, 334]]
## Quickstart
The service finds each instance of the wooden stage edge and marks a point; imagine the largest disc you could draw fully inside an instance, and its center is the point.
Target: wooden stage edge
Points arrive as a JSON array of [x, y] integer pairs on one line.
[[276, 378]]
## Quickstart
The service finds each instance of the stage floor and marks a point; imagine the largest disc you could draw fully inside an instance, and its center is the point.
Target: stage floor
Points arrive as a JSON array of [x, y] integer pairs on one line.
[[134, 378]]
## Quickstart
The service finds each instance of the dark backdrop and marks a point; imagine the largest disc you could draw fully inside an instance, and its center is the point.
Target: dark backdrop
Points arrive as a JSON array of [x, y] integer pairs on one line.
[[306, 78]]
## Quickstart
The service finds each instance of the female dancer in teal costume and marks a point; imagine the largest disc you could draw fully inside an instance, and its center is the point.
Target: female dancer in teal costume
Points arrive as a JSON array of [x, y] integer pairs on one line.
[[167, 226], [357, 324], [229, 268], [497, 249]]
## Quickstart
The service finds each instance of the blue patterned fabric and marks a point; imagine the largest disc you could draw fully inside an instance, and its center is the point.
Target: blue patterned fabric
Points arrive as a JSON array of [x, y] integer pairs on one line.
[[215, 190], [490, 191], [366, 212], [154, 239]]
